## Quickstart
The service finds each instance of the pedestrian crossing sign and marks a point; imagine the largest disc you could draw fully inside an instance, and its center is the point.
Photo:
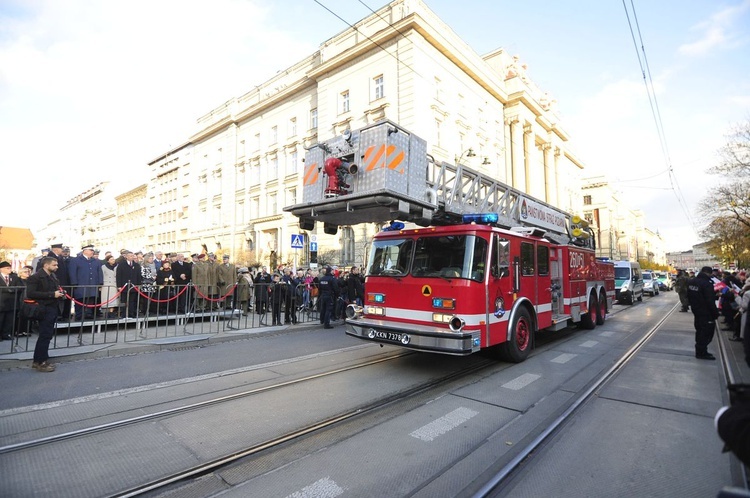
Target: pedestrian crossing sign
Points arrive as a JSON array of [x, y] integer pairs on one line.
[[297, 241]]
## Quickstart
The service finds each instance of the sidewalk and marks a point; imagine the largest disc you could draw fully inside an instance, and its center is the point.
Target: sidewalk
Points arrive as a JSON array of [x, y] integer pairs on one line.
[[123, 341], [650, 430]]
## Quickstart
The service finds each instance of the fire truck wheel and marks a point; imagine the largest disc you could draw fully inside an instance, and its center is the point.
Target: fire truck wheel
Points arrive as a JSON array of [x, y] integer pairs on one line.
[[588, 321], [602, 315], [518, 347]]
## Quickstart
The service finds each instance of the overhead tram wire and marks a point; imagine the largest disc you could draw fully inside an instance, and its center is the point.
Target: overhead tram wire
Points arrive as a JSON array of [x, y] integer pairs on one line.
[[660, 123], [366, 36], [650, 91]]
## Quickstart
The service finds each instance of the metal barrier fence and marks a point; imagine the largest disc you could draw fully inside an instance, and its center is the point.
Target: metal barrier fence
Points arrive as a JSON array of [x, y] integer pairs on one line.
[[95, 315]]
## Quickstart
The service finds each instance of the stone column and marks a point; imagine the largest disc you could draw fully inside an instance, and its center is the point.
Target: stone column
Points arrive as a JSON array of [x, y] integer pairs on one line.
[[518, 174]]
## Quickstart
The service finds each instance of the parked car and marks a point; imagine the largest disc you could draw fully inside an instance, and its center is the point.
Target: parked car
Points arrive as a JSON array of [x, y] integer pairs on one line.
[[650, 284], [665, 283], [628, 282]]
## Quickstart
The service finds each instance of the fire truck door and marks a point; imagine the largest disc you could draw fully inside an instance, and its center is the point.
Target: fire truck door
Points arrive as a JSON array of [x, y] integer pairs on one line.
[[527, 272]]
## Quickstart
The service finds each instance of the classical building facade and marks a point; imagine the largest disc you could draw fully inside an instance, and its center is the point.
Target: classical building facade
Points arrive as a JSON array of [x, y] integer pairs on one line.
[[226, 188]]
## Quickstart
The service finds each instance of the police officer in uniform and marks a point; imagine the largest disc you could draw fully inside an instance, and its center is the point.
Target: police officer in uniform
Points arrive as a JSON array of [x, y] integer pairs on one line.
[[328, 288], [702, 300]]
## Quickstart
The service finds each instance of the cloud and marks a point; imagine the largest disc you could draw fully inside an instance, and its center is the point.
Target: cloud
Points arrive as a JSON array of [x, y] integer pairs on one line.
[[92, 91], [718, 32]]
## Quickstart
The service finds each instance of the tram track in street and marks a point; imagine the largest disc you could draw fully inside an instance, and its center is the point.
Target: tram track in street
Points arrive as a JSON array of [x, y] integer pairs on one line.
[[105, 432], [154, 483]]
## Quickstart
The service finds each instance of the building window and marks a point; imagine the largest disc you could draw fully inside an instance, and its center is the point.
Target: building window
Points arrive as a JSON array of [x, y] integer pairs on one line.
[[347, 245], [438, 137], [257, 141], [292, 197], [314, 119], [272, 204], [293, 166], [438, 90], [293, 127], [274, 134], [344, 101], [378, 91], [241, 151], [274, 164], [254, 208], [586, 200]]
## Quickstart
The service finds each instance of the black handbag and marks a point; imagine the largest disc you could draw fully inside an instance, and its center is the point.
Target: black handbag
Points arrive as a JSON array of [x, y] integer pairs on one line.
[[31, 309]]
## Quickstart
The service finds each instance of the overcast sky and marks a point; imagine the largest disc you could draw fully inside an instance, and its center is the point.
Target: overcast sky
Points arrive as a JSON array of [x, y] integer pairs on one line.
[[92, 91]]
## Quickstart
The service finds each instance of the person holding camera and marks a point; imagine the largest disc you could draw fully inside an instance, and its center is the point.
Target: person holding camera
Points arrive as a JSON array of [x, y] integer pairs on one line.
[[44, 288]]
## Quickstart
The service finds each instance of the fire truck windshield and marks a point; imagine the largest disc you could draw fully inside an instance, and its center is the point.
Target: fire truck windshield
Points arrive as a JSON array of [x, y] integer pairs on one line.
[[436, 256]]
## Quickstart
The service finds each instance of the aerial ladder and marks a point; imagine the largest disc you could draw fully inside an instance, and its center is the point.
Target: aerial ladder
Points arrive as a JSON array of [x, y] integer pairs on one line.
[[383, 172]]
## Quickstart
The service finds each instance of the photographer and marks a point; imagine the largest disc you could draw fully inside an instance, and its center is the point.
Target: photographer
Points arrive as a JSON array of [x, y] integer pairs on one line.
[[733, 422], [44, 288]]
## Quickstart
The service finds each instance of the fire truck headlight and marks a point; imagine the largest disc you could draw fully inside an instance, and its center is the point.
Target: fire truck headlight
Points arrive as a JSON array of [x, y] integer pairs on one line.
[[456, 324], [375, 310]]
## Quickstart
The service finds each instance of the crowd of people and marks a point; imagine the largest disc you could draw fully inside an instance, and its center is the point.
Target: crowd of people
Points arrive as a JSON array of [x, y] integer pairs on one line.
[[131, 284]]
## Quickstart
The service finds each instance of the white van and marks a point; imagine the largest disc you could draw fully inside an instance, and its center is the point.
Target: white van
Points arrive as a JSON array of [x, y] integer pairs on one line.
[[628, 282]]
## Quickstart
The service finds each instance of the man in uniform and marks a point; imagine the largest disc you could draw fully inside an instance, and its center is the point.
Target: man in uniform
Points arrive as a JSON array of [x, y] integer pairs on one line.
[[702, 300], [328, 289], [680, 285], [226, 276]]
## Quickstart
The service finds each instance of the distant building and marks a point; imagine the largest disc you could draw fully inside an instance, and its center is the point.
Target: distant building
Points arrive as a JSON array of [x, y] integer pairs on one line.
[[16, 246], [682, 260]]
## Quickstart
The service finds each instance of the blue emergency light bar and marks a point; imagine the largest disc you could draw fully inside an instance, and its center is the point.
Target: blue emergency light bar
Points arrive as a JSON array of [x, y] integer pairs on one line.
[[483, 218]]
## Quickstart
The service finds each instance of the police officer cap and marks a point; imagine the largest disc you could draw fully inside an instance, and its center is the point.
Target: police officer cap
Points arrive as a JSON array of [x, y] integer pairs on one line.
[[56, 246], [329, 269], [89, 246], [706, 269]]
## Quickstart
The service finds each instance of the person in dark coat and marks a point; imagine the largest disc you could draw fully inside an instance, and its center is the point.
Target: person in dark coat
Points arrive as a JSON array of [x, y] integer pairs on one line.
[[263, 283], [58, 251], [182, 271], [355, 287], [85, 278], [702, 300], [44, 288], [129, 272], [733, 422], [10, 287], [277, 296], [328, 289]]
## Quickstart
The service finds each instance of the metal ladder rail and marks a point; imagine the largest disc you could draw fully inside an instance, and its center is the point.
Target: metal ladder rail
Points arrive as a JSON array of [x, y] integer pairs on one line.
[[460, 190]]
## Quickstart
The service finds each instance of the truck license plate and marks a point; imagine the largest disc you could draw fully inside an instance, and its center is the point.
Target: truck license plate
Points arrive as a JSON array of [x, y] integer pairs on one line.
[[388, 336]]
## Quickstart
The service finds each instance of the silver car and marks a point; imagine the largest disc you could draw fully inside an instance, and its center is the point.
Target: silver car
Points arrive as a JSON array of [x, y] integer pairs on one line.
[[650, 284]]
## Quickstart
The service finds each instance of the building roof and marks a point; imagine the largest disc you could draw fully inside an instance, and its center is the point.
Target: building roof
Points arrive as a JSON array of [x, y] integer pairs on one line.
[[16, 238]]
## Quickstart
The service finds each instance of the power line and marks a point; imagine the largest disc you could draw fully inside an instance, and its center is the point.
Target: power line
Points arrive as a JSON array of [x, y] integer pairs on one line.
[[656, 114]]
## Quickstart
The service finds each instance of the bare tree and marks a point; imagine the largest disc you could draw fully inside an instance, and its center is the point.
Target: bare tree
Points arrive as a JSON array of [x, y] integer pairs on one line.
[[726, 210]]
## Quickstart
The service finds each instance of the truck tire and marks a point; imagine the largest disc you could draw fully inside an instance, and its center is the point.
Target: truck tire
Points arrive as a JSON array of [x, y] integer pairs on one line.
[[602, 315], [588, 321], [518, 347]]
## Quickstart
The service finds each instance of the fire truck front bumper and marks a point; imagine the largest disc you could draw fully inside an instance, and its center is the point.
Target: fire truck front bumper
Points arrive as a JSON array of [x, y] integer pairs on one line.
[[416, 337]]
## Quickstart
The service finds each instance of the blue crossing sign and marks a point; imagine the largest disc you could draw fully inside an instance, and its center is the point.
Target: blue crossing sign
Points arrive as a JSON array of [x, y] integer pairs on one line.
[[313, 246], [298, 241]]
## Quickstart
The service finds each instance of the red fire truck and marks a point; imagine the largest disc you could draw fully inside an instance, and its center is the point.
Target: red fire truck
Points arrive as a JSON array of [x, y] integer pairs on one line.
[[478, 264]]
